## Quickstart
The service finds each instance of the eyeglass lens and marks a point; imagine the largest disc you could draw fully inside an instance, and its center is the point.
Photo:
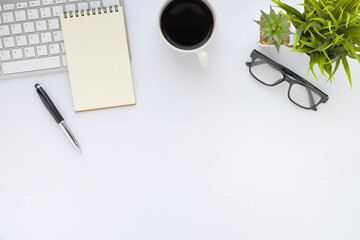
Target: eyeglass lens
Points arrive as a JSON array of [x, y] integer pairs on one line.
[[265, 72], [304, 96]]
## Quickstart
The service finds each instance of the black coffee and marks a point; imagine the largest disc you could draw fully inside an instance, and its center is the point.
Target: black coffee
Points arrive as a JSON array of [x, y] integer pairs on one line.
[[187, 24]]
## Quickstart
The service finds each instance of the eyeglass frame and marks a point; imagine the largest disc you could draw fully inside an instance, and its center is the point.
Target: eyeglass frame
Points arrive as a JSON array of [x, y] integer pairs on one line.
[[287, 73]]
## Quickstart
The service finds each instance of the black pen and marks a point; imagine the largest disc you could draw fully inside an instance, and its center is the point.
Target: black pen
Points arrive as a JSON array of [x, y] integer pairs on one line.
[[56, 114]]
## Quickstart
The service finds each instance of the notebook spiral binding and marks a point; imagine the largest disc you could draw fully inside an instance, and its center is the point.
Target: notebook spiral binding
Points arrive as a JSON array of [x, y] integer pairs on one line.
[[92, 11]]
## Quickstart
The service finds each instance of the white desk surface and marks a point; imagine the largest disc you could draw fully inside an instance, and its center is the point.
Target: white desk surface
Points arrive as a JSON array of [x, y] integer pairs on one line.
[[207, 153]]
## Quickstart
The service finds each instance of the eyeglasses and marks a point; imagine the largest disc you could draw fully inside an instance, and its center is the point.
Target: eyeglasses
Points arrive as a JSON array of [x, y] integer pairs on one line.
[[301, 92]]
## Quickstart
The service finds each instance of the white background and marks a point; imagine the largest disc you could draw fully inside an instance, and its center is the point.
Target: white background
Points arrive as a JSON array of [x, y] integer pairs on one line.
[[207, 153]]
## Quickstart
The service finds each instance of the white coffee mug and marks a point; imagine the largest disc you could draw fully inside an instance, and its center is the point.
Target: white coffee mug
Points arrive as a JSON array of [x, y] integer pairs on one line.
[[199, 51]]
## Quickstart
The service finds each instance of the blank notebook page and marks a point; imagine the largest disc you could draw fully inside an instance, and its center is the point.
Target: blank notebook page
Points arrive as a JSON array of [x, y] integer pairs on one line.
[[98, 60]]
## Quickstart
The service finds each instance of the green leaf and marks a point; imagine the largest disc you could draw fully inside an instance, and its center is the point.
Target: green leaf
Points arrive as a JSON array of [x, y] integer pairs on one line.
[[328, 70], [261, 23], [309, 26], [336, 67], [302, 50], [309, 15], [308, 44], [348, 19], [266, 16], [313, 61], [335, 22], [298, 33], [351, 32], [265, 36], [316, 30], [317, 6], [321, 63], [329, 25], [347, 68], [318, 19], [272, 13], [327, 57], [271, 39], [283, 36], [290, 10], [341, 16], [323, 47], [277, 43]]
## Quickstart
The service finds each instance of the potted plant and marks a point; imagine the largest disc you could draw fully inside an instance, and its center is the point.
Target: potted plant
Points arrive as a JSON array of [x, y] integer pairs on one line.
[[328, 32], [274, 29]]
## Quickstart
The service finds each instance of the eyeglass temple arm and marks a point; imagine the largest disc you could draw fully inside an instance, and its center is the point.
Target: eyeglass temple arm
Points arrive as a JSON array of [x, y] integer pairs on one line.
[[296, 76], [254, 64], [291, 73]]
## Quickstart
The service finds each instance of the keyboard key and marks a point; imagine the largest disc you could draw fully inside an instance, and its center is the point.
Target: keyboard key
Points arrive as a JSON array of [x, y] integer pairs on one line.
[[20, 16], [29, 27], [5, 55], [33, 14], [9, 7], [21, 41], [70, 8], [41, 50], [1, 46], [107, 3], [9, 42], [62, 47], [35, 3], [116, 2], [73, 0], [8, 17], [17, 54], [16, 29], [31, 65], [47, 2], [53, 24], [95, 4], [64, 60], [40, 25], [34, 39], [46, 37], [4, 31], [29, 52], [60, 1], [54, 49], [45, 12], [22, 5], [58, 10], [58, 36], [83, 6]]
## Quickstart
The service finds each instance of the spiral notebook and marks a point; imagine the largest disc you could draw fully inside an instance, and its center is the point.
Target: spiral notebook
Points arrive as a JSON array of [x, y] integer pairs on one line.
[[98, 58]]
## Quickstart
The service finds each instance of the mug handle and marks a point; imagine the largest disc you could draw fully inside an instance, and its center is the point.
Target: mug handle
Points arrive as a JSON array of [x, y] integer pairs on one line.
[[203, 58]]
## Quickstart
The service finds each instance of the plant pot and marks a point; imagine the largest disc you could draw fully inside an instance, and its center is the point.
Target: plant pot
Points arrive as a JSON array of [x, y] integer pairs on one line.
[[290, 42]]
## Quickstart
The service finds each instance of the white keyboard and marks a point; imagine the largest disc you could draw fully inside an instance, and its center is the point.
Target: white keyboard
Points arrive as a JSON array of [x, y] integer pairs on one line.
[[31, 41]]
